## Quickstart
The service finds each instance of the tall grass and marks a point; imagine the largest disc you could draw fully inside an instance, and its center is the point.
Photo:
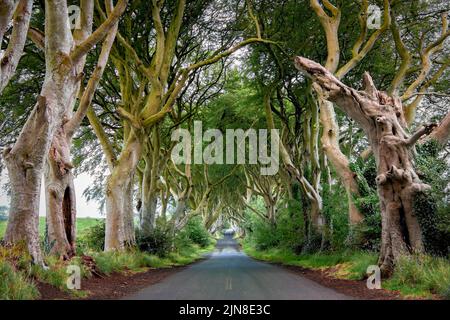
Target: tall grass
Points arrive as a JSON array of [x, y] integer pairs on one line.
[[15, 285], [135, 261], [414, 276], [421, 276]]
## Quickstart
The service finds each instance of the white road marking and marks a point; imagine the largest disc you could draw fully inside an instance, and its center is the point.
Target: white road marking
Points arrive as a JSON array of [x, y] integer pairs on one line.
[[228, 284]]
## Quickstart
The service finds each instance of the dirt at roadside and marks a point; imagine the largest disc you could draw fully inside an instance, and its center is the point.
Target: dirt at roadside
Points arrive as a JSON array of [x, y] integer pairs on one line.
[[352, 288], [114, 286]]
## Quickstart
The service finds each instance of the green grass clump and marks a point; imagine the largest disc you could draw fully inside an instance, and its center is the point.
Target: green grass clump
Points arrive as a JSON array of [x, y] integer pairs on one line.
[[359, 262], [56, 274], [135, 261], [421, 276], [153, 261], [15, 285], [111, 262], [275, 255]]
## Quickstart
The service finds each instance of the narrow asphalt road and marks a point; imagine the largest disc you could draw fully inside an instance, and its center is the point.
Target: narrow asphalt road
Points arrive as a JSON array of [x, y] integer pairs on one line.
[[229, 274]]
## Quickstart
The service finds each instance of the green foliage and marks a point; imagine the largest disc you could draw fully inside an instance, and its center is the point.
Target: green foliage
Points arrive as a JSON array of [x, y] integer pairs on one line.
[[196, 232], [92, 238], [158, 242], [433, 208], [436, 241], [335, 212], [367, 234], [421, 275], [288, 232], [112, 262]]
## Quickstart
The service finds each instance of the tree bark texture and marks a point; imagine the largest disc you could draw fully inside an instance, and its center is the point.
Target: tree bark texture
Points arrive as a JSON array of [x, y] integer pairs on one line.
[[25, 160], [119, 198], [382, 119], [59, 178]]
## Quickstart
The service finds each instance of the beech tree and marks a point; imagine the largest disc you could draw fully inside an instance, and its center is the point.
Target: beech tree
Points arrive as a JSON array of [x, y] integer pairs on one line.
[[25, 160], [59, 179], [142, 109], [382, 119]]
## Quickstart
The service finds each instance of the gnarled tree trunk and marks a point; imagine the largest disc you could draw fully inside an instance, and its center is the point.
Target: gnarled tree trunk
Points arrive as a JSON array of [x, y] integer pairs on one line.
[[382, 119], [25, 160], [60, 196], [59, 178]]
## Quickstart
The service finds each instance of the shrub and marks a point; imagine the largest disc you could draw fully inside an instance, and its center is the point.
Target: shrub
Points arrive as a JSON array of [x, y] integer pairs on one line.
[[93, 238], [433, 208], [335, 212], [196, 232], [288, 232], [366, 235], [159, 242]]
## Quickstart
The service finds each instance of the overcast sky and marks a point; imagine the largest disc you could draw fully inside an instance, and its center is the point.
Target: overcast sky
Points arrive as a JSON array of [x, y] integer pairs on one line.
[[84, 208]]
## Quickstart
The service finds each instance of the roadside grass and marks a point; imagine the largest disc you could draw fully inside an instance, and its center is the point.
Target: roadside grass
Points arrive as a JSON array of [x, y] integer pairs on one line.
[[2, 228], [418, 276], [56, 274], [421, 276], [136, 261], [15, 280], [15, 285], [18, 275]]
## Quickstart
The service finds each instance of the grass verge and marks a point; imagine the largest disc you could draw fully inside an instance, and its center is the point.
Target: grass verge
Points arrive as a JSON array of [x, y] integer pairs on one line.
[[421, 276], [418, 276], [17, 275]]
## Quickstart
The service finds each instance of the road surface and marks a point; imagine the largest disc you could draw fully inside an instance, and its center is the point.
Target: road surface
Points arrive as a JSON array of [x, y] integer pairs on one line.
[[229, 274]]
